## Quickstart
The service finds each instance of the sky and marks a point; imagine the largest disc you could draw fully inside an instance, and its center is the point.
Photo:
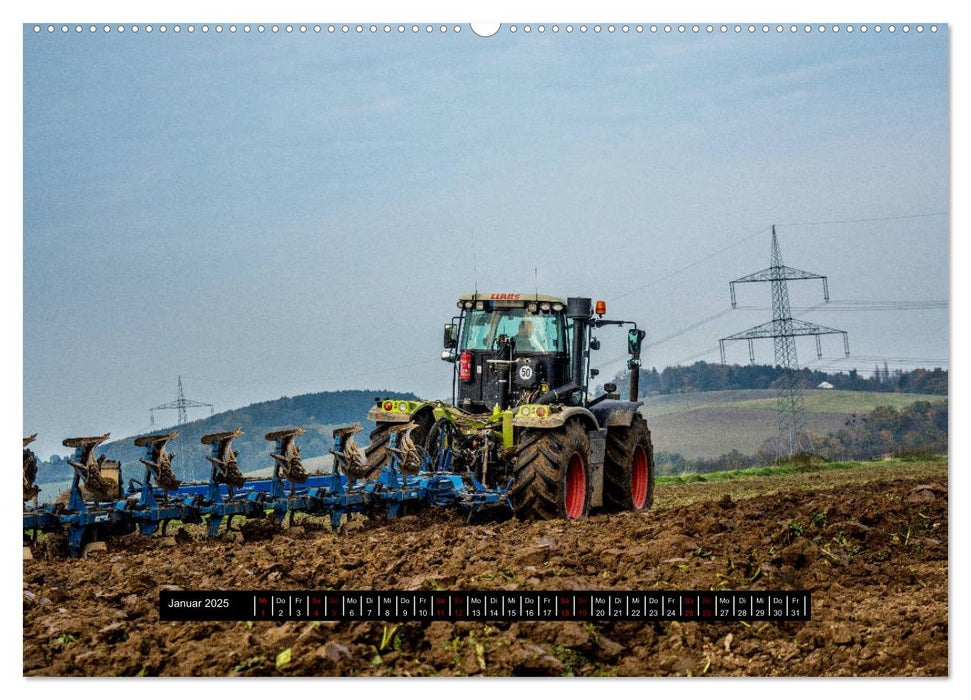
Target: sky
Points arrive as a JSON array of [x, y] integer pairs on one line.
[[276, 214]]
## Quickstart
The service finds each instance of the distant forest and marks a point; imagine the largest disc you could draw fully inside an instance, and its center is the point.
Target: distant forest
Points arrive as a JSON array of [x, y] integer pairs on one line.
[[317, 413], [704, 376]]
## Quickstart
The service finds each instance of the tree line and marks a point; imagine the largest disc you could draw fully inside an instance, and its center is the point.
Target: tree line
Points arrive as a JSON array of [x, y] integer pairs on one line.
[[705, 376]]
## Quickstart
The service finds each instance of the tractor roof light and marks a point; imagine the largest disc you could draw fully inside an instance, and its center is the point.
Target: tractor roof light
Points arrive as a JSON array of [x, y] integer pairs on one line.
[[468, 304], [531, 308], [479, 305], [545, 306], [601, 307], [557, 307]]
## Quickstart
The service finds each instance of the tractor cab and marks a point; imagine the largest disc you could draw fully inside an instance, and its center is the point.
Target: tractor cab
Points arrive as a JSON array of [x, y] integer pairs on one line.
[[508, 349], [521, 413]]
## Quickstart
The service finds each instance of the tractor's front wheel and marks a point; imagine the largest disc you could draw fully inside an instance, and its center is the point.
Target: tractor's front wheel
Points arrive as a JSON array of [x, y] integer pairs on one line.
[[377, 453], [629, 467], [552, 474]]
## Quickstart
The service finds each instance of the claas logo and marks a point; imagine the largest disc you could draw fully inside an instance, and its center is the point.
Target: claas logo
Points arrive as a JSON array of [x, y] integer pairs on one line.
[[504, 296]]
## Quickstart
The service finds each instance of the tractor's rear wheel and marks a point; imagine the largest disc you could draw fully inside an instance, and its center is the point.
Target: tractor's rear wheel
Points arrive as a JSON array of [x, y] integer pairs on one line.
[[552, 474], [629, 467]]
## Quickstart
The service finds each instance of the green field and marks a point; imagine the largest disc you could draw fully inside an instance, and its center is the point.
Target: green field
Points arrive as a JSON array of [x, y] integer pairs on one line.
[[664, 404], [704, 425], [830, 401], [817, 401]]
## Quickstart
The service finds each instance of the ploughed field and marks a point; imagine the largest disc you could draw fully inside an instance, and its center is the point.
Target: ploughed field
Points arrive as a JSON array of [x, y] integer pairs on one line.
[[869, 541]]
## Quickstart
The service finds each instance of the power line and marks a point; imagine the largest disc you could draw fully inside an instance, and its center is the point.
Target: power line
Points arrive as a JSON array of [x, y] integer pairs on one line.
[[687, 329], [656, 280], [860, 221], [866, 302], [710, 351], [677, 334], [864, 306], [880, 358]]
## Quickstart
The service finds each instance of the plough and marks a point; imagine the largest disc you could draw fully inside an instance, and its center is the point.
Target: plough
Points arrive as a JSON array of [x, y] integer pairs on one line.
[[100, 506]]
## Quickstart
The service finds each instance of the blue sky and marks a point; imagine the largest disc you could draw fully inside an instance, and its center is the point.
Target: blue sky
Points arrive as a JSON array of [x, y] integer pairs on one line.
[[277, 214]]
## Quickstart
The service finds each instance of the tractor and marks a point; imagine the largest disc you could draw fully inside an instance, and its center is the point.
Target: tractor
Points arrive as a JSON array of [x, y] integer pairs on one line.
[[521, 417]]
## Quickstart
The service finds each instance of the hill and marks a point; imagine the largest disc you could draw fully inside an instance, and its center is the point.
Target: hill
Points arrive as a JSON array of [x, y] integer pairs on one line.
[[318, 413], [707, 424]]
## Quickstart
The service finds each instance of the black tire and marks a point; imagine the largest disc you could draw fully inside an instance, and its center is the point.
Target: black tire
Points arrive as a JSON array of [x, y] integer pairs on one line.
[[433, 436], [425, 420], [377, 454], [546, 484], [630, 454]]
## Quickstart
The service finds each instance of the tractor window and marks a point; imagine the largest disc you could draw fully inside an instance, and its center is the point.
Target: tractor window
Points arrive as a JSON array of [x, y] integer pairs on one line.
[[532, 332]]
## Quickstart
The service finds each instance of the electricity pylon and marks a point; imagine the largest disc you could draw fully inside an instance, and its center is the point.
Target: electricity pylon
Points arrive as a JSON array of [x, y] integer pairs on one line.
[[181, 404], [784, 329]]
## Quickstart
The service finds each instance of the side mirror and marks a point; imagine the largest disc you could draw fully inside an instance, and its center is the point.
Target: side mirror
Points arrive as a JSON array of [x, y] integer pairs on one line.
[[610, 388], [594, 344], [451, 335], [594, 372], [448, 355], [634, 338]]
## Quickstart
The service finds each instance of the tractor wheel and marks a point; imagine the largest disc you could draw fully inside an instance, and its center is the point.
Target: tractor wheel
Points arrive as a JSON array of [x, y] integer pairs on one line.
[[435, 435], [376, 453], [629, 467], [552, 477]]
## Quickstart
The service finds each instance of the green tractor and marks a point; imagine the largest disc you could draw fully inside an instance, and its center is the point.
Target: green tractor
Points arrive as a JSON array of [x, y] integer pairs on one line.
[[521, 416]]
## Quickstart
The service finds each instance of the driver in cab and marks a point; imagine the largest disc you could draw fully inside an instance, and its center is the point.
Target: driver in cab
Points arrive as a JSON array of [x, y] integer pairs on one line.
[[525, 339]]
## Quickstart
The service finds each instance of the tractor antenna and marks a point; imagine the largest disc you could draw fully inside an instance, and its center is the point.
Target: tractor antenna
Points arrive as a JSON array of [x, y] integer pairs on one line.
[[536, 282], [475, 271]]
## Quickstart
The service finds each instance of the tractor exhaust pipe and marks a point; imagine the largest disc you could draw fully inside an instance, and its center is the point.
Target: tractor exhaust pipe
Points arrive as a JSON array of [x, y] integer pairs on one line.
[[579, 310]]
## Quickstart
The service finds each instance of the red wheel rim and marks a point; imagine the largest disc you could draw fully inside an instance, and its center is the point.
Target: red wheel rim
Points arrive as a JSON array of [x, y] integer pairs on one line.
[[576, 486], [639, 477]]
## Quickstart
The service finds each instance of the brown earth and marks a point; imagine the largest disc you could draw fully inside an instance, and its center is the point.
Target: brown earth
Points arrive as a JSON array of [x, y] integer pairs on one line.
[[873, 554]]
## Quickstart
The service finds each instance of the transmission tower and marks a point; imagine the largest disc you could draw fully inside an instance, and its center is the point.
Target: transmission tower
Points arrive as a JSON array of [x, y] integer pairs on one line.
[[784, 329], [181, 404], [180, 459]]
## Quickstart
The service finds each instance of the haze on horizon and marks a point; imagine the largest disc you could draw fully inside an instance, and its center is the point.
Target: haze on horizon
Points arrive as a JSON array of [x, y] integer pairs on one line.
[[279, 214]]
